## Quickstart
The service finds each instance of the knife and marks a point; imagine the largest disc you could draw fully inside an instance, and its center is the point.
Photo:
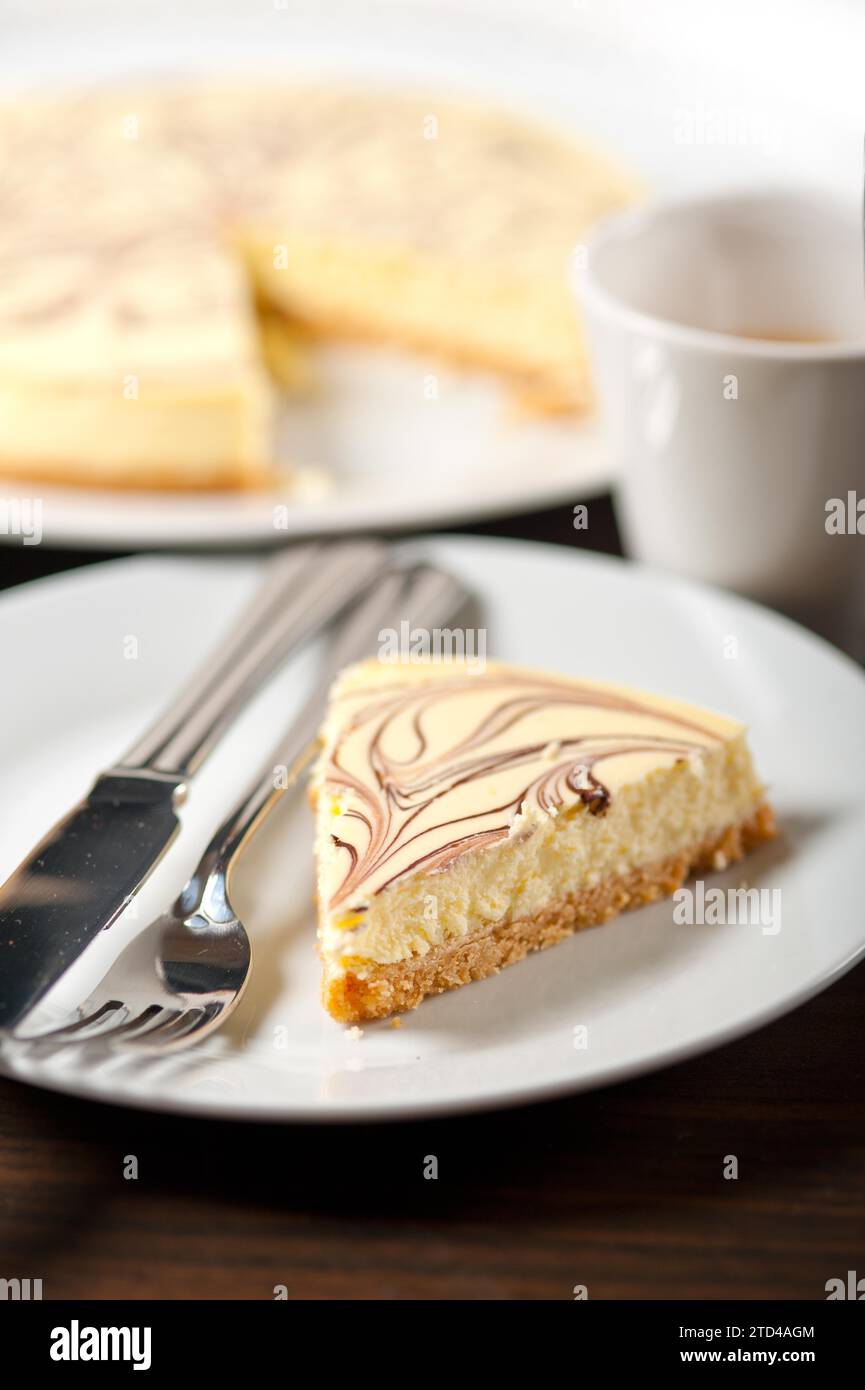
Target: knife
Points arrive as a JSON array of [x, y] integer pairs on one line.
[[84, 872]]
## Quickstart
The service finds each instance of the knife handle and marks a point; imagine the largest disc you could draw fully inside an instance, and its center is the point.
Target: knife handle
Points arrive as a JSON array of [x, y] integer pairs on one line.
[[429, 598], [303, 588]]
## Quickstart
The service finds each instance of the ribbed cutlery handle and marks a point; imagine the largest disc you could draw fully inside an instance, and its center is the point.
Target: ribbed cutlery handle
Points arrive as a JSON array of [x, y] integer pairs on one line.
[[428, 597], [303, 588]]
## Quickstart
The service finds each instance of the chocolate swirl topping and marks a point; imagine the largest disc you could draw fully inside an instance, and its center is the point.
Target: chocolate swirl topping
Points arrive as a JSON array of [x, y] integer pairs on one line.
[[423, 770]]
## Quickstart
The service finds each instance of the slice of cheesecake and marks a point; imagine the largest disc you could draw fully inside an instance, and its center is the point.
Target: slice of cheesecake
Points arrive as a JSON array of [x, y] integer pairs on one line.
[[467, 817]]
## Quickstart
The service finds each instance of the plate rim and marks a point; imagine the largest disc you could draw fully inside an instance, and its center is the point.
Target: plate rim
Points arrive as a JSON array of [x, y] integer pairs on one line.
[[194, 1108], [113, 532]]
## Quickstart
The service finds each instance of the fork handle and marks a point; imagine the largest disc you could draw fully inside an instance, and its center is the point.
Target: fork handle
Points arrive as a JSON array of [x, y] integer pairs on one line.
[[302, 589]]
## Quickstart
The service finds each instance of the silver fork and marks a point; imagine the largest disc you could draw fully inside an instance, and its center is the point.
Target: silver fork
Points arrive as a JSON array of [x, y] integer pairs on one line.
[[181, 977]]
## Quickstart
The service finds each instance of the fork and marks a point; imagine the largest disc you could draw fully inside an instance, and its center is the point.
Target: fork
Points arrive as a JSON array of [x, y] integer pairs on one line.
[[182, 976]]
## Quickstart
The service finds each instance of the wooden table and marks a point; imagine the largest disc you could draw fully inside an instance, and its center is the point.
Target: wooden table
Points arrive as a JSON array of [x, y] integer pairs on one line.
[[620, 1190]]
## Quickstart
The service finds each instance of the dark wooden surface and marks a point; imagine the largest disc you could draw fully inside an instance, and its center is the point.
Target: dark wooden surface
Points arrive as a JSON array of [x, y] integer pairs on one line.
[[621, 1190]]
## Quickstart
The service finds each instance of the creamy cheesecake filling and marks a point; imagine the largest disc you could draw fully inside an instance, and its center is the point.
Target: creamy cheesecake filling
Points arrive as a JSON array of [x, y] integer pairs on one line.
[[450, 800]]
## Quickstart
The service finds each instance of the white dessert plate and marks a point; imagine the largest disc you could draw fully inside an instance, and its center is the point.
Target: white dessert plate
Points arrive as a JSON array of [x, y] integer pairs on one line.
[[692, 100], [97, 652]]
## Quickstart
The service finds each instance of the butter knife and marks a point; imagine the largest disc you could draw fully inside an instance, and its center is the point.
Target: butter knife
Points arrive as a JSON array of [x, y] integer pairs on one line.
[[84, 872]]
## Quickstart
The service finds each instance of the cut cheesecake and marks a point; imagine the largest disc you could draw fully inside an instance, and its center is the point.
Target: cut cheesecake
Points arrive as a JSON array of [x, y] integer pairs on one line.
[[168, 253], [466, 817]]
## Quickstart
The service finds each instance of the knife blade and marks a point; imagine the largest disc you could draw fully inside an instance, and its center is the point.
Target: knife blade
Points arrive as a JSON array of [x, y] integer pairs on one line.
[[79, 879]]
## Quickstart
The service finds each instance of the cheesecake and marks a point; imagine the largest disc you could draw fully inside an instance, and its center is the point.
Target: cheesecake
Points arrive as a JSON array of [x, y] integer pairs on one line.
[[467, 816], [171, 255]]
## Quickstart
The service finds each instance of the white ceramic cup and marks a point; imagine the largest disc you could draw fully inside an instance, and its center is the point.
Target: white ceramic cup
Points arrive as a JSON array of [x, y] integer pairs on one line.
[[728, 447]]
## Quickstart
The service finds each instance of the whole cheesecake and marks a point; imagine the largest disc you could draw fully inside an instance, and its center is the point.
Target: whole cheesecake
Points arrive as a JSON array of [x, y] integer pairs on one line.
[[466, 817], [168, 253]]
